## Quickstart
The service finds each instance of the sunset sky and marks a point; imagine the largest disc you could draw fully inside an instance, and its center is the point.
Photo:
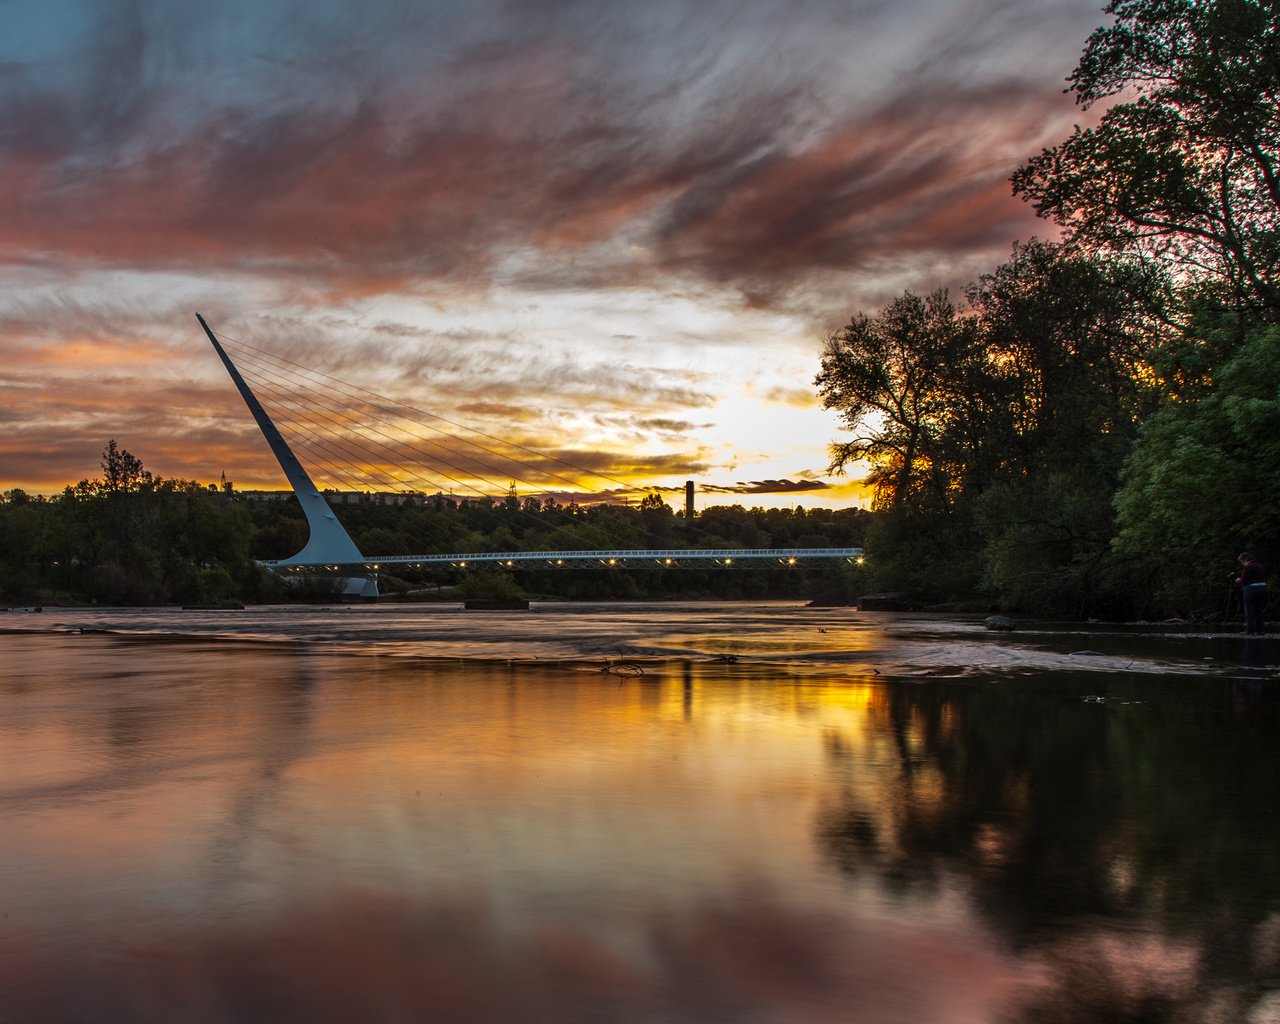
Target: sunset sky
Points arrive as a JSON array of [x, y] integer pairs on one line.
[[615, 232]]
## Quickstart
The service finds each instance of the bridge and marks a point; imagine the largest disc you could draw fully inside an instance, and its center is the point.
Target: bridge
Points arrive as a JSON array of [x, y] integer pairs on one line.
[[607, 558], [330, 551]]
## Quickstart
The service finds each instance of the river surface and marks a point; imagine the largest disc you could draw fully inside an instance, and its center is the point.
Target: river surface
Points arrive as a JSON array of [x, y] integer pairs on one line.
[[633, 813]]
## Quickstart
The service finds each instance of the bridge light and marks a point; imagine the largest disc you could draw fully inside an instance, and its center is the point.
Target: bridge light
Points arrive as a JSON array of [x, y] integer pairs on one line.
[[859, 559], [791, 561], [728, 561]]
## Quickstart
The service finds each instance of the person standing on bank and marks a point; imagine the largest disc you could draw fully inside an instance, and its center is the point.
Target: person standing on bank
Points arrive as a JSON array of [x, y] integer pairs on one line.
[[1253, 590]]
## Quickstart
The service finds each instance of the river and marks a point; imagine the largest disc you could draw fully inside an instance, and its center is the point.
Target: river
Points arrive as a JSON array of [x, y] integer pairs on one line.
[[633, 813]]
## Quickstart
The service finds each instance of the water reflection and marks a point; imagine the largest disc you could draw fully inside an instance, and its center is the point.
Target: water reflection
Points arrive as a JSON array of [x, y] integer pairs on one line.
[[280, 738], [227, 832], [1130, 846]]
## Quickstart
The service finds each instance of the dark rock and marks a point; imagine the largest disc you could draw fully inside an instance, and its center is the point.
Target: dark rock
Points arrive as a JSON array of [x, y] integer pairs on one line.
[[1002, 623]]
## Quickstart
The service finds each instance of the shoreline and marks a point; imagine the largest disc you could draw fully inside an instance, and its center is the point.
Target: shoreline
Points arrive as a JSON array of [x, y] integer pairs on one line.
[[742, 639]]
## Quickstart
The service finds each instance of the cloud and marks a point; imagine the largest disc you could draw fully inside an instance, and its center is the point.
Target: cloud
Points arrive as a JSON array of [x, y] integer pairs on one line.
[[498, 411], [669, 427], [782, 486], [195, 425], [56, 432], [795, 397], [906, 183], [291, 166], [440, 172], [769, 487]]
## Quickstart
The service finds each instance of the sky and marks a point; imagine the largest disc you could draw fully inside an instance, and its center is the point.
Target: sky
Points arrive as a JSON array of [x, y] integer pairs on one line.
[[615, 232]]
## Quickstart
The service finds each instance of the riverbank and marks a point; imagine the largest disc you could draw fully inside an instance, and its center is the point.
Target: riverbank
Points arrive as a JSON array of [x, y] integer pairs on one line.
[[797, 636]]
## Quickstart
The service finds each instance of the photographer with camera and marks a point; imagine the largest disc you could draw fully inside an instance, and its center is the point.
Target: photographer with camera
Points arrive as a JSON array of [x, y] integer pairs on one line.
[[1253, 590]]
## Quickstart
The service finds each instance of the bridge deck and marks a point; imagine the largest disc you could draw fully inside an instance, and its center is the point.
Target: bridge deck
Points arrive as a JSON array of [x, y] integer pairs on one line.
[[577, 559]]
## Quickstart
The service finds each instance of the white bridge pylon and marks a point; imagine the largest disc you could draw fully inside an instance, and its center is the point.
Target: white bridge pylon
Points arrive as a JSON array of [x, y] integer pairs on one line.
[[331, 551]]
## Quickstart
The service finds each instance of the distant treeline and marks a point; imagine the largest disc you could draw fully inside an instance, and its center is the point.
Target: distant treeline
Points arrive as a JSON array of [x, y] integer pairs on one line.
[[134, 538], [1095, 429]]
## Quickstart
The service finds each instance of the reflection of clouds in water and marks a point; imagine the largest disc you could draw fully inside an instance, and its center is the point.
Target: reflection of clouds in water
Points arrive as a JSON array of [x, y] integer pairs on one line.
[[280, 739], [362, 957]]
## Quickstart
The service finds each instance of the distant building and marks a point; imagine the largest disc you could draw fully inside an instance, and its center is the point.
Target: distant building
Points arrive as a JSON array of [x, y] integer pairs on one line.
[[264, 495], [375, 498]]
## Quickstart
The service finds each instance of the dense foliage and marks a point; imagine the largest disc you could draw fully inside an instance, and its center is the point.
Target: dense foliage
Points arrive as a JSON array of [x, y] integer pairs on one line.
[[1203, 479], [1185, 169], [127, 538], [133, 538], [994, 429], [1094, 430]]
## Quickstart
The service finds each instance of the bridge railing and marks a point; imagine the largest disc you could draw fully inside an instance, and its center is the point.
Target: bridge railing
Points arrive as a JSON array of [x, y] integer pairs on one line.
[[605, 557]]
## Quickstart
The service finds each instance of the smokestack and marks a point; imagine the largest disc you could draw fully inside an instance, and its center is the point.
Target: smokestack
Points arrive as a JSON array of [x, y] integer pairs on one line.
[[688, 499]]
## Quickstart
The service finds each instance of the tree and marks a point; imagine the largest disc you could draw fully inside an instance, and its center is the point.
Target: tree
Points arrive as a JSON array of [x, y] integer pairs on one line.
[[1067, 348], [1043, 371], [121, 471], [890, 377], [996, 433], [1185, 170], [1064, 349], [1201, 482]]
